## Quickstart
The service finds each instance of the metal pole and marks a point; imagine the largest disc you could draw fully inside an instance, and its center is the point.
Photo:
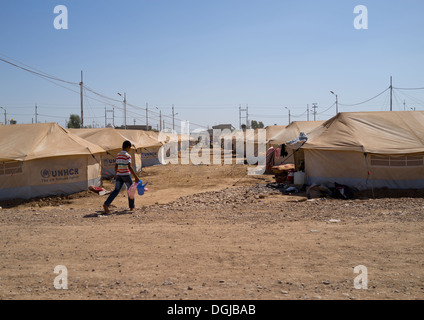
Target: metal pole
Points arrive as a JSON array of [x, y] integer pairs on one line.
[[240, 116], [82, 101], [247, 117], [307, 112], [5, 120], [337, 104], [173, 118], [391, 94], [147, 116], [125, 110]]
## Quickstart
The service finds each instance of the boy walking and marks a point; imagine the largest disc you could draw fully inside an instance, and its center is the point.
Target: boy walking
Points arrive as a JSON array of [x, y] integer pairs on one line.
[[123, 171]]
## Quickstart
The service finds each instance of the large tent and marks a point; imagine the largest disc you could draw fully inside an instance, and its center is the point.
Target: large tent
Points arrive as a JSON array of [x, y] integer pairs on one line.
[[38, 160], [111, 141], [150, 145], [367, 150], [289, 133]]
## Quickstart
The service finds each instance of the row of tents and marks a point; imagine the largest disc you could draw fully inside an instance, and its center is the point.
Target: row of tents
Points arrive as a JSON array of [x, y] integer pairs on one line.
[[359, 149], [38, 160], [363, 150]]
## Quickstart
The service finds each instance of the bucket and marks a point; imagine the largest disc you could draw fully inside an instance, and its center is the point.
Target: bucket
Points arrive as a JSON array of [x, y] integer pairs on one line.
[[290, 176], [299, 177]]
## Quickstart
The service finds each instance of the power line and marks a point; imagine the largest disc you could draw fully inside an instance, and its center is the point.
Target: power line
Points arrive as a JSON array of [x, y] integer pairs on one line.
[[408, 88], [44, 75], [357, 104]]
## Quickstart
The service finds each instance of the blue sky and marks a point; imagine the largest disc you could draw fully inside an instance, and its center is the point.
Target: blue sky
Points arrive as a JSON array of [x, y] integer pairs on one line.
[[209, 57]]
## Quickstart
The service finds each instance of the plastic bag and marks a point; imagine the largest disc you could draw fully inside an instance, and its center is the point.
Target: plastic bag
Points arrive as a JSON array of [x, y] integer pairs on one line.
[[132, 191]]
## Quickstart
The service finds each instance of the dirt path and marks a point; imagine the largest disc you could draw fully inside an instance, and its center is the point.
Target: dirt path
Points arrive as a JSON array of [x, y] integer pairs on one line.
[[212, 232]]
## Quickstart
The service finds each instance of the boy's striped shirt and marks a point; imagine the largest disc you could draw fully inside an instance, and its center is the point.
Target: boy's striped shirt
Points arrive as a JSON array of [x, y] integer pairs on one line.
[[123, 159]]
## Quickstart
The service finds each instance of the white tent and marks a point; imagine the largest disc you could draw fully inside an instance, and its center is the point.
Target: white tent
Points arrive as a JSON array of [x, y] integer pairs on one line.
[[367, 150], [38, 160]]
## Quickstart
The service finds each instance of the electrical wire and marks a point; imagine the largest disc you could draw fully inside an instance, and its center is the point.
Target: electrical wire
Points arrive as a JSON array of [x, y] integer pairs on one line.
[[357, 104], [44, 75]]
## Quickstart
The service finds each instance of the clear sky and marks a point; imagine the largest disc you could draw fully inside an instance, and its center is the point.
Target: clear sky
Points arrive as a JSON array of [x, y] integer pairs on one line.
[[209, 57]]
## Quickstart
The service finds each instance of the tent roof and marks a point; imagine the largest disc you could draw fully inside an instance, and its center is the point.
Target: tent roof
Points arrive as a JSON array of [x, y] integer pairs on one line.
[[107, 138], [293, 130], [384, 132], [142, 137], [272, 131], [42, 140]]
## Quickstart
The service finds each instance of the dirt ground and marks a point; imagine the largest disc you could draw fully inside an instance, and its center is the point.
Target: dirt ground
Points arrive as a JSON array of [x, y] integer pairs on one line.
[[213, 232]]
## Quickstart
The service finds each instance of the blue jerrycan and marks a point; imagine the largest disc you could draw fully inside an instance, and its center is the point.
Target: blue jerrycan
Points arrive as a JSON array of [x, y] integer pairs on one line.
[[140, 187]]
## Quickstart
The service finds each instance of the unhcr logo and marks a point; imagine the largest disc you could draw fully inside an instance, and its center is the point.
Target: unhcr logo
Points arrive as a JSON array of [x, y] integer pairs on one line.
[[56, 174], [47, 173]]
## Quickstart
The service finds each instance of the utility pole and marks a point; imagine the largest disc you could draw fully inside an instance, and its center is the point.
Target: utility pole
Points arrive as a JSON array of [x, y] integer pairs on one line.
[[125, 109], [240, 116], [5, 118], [289, 114], [247, 116], [173, 118], [147, 116], [307, 112], [337, 102], [315, 106], [36, 114], [113, 116], [82, 101], [391, 94], [404, 105], [160, 118]]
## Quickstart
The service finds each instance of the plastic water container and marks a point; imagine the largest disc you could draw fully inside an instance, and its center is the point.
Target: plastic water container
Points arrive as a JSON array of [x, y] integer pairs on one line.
[[140, 187], [290, 176], [132, 191], [299, 177]]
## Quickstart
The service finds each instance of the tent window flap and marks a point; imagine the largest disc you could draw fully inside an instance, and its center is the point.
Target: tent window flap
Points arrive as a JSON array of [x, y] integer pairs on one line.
[[10, 167], [397, 161]]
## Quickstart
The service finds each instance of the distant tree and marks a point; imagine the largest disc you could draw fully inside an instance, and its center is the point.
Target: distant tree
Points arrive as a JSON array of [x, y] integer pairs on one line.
[[256, 125], [74, 121]]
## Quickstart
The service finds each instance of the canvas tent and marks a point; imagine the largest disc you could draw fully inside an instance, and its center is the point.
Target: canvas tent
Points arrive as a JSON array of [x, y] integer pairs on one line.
[[111, 141], [289, 133], [367, 150], [149, 145], [38, 160]]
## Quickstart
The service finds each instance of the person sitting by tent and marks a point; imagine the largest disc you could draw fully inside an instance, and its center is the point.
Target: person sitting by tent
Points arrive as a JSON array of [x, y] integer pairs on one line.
[[123, 171]]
